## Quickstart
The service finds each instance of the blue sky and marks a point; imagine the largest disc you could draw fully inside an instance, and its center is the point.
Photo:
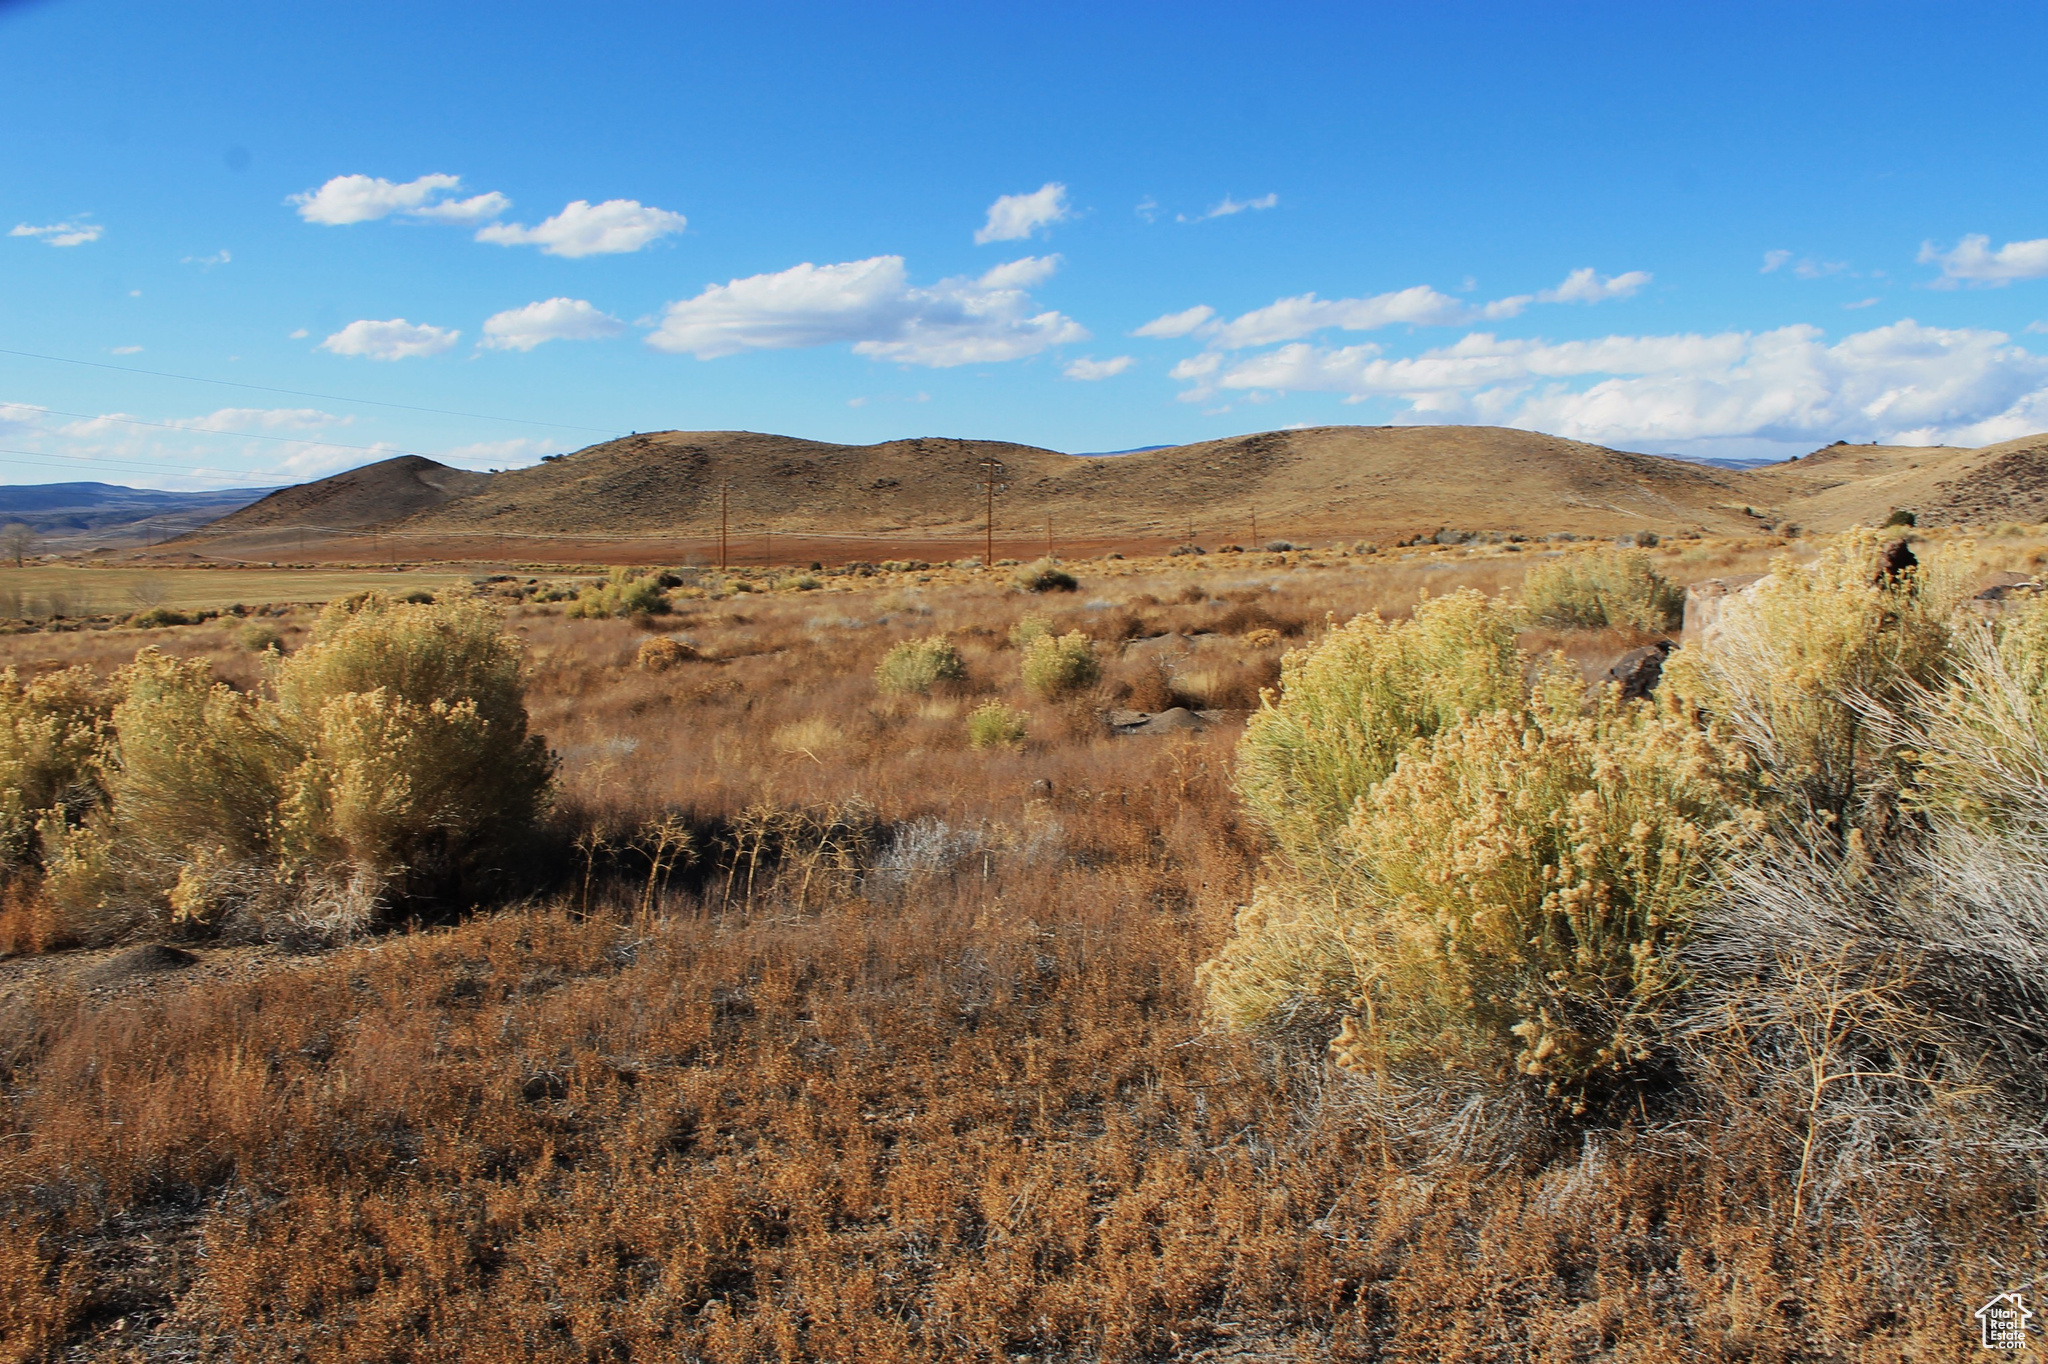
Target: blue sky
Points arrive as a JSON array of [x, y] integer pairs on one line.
[[1719, 229]]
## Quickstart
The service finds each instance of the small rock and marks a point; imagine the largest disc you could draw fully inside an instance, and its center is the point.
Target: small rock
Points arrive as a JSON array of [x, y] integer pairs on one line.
[[1172, 642], [1178, 720], [151, 958], [1640, 670], [1895, 562]]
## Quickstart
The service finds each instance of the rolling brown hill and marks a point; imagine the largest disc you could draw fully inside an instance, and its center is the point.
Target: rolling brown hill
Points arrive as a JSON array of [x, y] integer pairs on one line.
[[1351, 481], [1842, 485], [373, 495]]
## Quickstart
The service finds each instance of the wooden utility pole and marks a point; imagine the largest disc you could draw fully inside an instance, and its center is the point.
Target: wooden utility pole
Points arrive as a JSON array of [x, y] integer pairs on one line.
[[992, 472], [1048, 535], [768, 548], [1255, 527], [724, 491]]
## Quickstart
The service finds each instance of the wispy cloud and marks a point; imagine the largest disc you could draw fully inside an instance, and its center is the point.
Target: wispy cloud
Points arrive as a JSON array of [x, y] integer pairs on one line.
[[1088, 369], [1016, 216], [68, 233], [1182, 323], [1586, 286], [230, 445], [1230, 206], [1806, 267], [220, 257], [1417, 306], [500, 454]]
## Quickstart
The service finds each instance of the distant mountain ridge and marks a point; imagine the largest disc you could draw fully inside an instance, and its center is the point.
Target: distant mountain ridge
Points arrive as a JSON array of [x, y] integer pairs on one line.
[[71, 516]]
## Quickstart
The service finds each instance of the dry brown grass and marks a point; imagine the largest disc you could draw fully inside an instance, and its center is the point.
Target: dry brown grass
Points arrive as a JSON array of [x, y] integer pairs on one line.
[[907, 1064]]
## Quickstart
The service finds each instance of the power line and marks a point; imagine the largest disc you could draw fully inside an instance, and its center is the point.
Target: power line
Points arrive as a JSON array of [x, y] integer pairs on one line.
[[133, 466], [232, 435], [300, 393]]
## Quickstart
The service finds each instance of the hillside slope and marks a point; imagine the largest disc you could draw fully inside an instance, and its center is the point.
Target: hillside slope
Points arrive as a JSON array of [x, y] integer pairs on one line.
[[1346, 479], [373, 495], [1841, 485], [1377, 482]]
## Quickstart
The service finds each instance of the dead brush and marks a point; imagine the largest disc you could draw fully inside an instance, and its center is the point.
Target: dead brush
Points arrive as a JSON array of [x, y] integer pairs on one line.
[[785, 855]]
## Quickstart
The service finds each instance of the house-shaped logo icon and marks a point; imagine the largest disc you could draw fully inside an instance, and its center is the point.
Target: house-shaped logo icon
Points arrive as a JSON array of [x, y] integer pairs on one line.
[[2004, 1322]]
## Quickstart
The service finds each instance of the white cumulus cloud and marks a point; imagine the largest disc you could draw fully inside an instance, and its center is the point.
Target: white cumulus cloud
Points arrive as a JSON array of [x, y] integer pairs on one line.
[[872, 305], [1774, 260], [1974, 262], [61, 234], [362, 198], [554, 319], [1088, 369], [1904, 383], [19, 417], [585, 229], [1016, 216], [396, 339]]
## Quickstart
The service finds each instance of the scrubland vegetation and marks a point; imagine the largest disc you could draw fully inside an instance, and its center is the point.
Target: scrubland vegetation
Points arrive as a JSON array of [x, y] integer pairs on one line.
[[842, 988]]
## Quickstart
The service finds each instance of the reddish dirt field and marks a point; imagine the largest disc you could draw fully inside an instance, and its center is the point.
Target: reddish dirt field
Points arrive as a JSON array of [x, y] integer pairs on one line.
[[742, 551]]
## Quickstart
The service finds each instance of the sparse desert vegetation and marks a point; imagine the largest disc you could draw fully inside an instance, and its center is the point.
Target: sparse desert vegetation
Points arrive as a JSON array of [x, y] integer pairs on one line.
[[846, 989]]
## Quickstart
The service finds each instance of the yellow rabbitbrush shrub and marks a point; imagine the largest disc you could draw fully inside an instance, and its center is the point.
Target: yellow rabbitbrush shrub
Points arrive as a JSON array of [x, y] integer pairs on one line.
[[416, 766], [1795, 657], [1518, 890], [1532, 879], [1060, 665], [1607, 587], [391, 754], [1350, 705], [198, 763], [53, 729], [915, 666], [624, 592], [995, 725]]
